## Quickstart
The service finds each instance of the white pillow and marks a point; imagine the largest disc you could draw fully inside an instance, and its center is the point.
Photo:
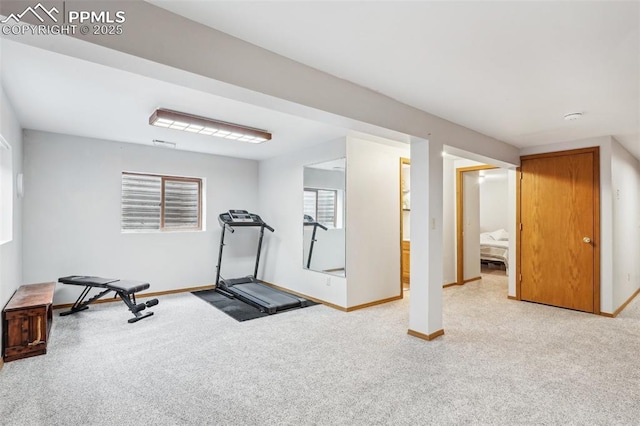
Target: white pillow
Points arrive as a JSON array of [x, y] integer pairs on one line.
[[486, 236], [500, 235]]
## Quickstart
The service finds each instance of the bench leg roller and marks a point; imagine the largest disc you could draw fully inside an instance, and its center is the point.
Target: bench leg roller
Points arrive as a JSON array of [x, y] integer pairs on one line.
[[152, 302], [139, 307]]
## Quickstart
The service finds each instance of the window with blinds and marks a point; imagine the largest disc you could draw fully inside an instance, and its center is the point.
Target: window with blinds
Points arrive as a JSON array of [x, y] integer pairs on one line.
[[321, 205], [160, 203]]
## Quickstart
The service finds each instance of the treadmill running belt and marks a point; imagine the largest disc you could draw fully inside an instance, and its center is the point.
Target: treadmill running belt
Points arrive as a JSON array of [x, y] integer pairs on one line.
[[235, 308], [270, 298]]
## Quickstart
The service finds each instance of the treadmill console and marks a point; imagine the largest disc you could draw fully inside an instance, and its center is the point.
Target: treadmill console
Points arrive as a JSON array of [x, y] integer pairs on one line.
[[241, 216], [234, 218]]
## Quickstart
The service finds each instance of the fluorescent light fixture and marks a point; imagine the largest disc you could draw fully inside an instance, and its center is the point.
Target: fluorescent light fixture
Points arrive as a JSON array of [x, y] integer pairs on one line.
[[164, 144], [206, 126]]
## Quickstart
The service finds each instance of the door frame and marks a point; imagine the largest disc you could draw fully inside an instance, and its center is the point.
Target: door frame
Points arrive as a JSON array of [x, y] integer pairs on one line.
[[596, 218], [460, 220], [403, 161]]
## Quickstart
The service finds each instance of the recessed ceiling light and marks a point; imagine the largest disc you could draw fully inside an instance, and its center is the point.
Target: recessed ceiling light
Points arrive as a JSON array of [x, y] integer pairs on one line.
[[573, 116]]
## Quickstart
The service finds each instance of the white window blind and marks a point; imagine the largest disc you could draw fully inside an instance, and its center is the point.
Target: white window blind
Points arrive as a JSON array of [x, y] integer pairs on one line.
[[151, 202], [181, 204], [321, 205], [310, 203]]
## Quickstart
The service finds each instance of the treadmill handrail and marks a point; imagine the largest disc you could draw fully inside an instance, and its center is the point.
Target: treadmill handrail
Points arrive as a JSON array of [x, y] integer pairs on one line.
[[318, 224]]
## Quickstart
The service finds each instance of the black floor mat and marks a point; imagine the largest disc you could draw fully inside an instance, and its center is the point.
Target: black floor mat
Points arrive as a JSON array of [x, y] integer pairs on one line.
[[235, 308]]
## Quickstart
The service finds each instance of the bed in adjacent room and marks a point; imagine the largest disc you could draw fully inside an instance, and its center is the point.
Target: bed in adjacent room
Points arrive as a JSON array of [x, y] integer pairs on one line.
[[494, 247]]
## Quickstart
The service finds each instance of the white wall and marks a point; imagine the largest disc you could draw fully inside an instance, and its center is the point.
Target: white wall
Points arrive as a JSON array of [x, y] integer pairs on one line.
[[373, 220], [6, 191], [449, 254], [281, 202], [11, 252], [625, 185], [72, 208], [494, 195]]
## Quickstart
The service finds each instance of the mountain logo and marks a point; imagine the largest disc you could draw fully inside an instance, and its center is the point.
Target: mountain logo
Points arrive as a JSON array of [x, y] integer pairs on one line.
[[34, 11]]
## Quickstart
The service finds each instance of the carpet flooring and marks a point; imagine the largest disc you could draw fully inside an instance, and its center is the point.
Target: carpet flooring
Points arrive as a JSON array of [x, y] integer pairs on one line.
[[501, 362], [235, 308]]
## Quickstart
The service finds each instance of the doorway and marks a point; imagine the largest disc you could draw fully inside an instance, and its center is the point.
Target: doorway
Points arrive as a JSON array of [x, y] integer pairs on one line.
[[559, 221], [467, 225]]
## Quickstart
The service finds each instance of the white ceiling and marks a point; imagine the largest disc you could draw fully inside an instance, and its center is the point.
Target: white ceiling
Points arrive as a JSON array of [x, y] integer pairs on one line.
[[58, 93], [510, 70]]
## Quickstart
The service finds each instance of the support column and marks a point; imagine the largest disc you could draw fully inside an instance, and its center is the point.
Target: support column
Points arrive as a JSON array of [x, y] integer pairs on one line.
[[425, 308]]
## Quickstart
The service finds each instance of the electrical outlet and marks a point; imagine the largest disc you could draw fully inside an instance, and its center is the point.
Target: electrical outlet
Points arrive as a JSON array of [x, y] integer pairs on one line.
[[629, 277], [328, 282]]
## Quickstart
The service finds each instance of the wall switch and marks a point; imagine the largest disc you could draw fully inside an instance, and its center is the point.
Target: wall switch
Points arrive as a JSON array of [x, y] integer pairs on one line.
[[433, 223], [328, 282]]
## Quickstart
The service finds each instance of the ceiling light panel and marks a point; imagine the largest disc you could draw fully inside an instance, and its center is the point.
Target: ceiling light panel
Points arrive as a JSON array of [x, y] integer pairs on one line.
[[207, 126]]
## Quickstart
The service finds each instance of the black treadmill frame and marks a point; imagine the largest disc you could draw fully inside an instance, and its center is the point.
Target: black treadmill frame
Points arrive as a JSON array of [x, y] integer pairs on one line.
[[309, 221], [225, 287]]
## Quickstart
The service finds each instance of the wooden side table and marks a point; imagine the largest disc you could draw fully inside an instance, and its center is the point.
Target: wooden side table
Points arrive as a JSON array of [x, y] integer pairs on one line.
[[26, 321]]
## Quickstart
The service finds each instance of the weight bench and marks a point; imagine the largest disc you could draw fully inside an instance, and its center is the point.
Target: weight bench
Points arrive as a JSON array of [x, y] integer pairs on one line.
[[125, 289]]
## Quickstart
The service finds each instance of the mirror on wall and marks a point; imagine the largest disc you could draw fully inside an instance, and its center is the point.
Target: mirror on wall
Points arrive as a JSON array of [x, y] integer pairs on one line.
[[323, 221]]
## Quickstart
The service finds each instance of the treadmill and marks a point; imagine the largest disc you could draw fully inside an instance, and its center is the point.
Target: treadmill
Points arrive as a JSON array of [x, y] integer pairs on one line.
[[310, 221], [249, 289]]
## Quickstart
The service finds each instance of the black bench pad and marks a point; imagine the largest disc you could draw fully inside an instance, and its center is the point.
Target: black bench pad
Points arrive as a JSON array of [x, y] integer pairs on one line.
[[128, 287], [87, 280]]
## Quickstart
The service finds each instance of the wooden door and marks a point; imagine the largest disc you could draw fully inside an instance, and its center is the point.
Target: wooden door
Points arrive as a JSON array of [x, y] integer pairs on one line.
[[406, 264], [559, 235]]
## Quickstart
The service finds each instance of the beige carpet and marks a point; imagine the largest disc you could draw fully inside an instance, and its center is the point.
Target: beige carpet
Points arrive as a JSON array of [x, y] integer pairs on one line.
[[500, 362]]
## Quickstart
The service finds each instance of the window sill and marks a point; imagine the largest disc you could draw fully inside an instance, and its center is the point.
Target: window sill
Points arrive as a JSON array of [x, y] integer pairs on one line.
[[156, 231]]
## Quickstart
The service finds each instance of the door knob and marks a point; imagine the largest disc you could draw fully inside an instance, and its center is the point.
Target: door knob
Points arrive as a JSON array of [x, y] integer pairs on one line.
[[586, 240]]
